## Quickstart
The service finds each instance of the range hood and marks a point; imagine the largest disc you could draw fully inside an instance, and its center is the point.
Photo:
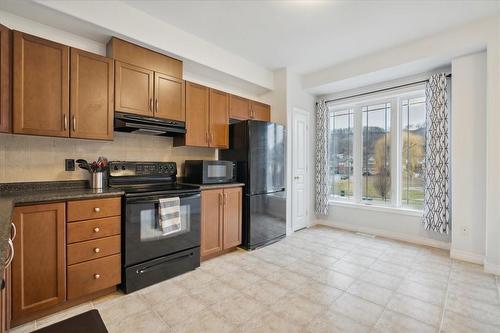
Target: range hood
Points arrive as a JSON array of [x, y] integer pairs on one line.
[[148, 125]]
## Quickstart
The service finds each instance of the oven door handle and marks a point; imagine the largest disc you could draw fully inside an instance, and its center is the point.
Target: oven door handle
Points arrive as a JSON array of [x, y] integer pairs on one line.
[[155, 199], [148, 269]]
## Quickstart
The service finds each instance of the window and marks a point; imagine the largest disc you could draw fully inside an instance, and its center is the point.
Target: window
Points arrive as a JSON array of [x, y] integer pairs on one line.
[[413, 152], [377, 149], [341, 157], [376, 181]]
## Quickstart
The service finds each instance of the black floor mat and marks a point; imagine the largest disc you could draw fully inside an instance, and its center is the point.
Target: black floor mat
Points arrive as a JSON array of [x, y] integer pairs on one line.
[[87, 322]]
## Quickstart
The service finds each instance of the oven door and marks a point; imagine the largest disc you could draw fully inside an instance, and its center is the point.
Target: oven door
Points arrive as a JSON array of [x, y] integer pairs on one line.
[[144, 239], [218, 172]]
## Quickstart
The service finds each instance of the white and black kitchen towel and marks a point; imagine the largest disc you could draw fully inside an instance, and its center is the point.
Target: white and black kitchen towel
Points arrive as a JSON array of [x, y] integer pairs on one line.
[[170, 215]]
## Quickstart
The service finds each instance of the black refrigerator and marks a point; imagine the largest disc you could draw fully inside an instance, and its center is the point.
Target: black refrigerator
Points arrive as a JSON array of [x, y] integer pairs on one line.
[[258, 148]]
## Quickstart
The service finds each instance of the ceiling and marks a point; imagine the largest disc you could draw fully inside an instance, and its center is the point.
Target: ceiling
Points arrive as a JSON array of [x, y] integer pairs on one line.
[[306, 36]]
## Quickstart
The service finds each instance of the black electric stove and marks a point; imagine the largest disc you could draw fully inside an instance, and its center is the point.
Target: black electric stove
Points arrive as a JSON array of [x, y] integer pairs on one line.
[[148, 255]]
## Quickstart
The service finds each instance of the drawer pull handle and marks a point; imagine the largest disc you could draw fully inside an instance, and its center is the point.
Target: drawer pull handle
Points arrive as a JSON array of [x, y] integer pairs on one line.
[[97, 276], [96, 229], [97, 250], [97, 209]]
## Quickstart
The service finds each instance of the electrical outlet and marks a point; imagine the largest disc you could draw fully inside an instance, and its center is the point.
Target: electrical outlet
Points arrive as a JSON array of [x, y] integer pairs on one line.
[[69, 165]]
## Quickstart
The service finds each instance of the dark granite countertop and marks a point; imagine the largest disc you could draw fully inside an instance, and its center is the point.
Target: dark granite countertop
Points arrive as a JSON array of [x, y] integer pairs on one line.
[[216, 186], [12, 194]]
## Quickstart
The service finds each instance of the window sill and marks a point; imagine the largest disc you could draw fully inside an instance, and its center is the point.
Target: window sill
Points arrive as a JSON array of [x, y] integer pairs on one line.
[[393, 210]]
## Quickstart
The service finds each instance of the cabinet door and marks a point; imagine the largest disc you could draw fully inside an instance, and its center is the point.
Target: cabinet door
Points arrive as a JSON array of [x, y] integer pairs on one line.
[[232, 217], [260, 111], [133, 89], [219, 119], [91, 99], [169, 97], [197, 108], [41, 86], [239, 108], [39, 265], [211, 221], [5, 79]]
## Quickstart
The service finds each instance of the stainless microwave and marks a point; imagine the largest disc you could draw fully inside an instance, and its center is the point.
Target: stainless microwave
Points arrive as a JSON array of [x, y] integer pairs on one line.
[[209, 172]]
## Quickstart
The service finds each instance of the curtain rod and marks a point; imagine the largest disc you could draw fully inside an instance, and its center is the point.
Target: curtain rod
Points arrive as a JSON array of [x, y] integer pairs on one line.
[[379, 90]]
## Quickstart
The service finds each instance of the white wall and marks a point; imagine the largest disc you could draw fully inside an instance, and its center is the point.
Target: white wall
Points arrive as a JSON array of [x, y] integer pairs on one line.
[[468, 153]]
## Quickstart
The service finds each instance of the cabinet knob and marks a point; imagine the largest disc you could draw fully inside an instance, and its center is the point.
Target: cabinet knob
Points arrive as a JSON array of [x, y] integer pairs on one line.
[[97, 209], [97, 276], [96, 229], [97, 250]]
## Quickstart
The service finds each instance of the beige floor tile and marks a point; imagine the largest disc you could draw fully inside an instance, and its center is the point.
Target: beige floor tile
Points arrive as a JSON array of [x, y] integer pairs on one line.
[[425, 312], [215, 292], [65, 314], [471, 291], [270, 322], [457, 323], [480, 311], [334, 322], [428, 279], [370, 292], [320, 293], [334, 279], [265, 292], [297, 309], [162, 292], [381, 279], [389, 268], [177, 310], [349, 268], [359, 259], [116, 310], [205, 321], [237, 310], [367, 313], [397, 323], [146, 321], [423, 293]]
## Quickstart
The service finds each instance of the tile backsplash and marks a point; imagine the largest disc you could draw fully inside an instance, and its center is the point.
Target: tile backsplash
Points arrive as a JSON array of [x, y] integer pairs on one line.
[[34, 158]]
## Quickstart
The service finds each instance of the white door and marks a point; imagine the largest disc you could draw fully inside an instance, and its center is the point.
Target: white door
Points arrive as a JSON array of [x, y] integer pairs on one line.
[[300, 169]]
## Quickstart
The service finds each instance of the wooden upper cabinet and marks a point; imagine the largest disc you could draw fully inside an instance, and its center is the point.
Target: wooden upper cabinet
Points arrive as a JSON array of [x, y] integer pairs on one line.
[[133, 89], [139, 56], [5, 79], [260, 111], [39, 265], [41, 86], [239, 108], [211, 222], [197, 108], [219, 119], [169, 97], [232, 217], [91, 102]]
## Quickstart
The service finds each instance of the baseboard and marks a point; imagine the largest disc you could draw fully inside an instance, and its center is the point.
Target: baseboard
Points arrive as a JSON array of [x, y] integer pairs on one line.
[[491, 268], [467, 256], [387, 234]]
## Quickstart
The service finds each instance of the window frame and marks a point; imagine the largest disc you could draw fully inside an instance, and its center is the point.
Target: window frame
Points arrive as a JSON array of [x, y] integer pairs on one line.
[[395, 98]]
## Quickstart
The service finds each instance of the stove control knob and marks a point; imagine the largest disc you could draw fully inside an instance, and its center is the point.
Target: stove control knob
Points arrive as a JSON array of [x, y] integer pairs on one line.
[[123, 167], [116, 167]]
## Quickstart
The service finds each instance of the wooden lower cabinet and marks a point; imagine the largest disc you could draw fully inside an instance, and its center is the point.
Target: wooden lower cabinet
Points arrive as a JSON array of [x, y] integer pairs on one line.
[[39, 265], [221, 217], [60, 263]]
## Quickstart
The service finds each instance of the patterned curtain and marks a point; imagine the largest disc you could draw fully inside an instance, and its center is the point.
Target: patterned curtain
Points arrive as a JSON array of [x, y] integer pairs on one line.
[[321, 206], [437, 170]]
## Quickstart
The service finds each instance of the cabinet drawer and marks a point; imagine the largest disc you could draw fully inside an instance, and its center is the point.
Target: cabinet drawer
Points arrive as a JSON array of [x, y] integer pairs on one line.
[[94, 275], [93, 209], [93, 249], [93, 229]]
